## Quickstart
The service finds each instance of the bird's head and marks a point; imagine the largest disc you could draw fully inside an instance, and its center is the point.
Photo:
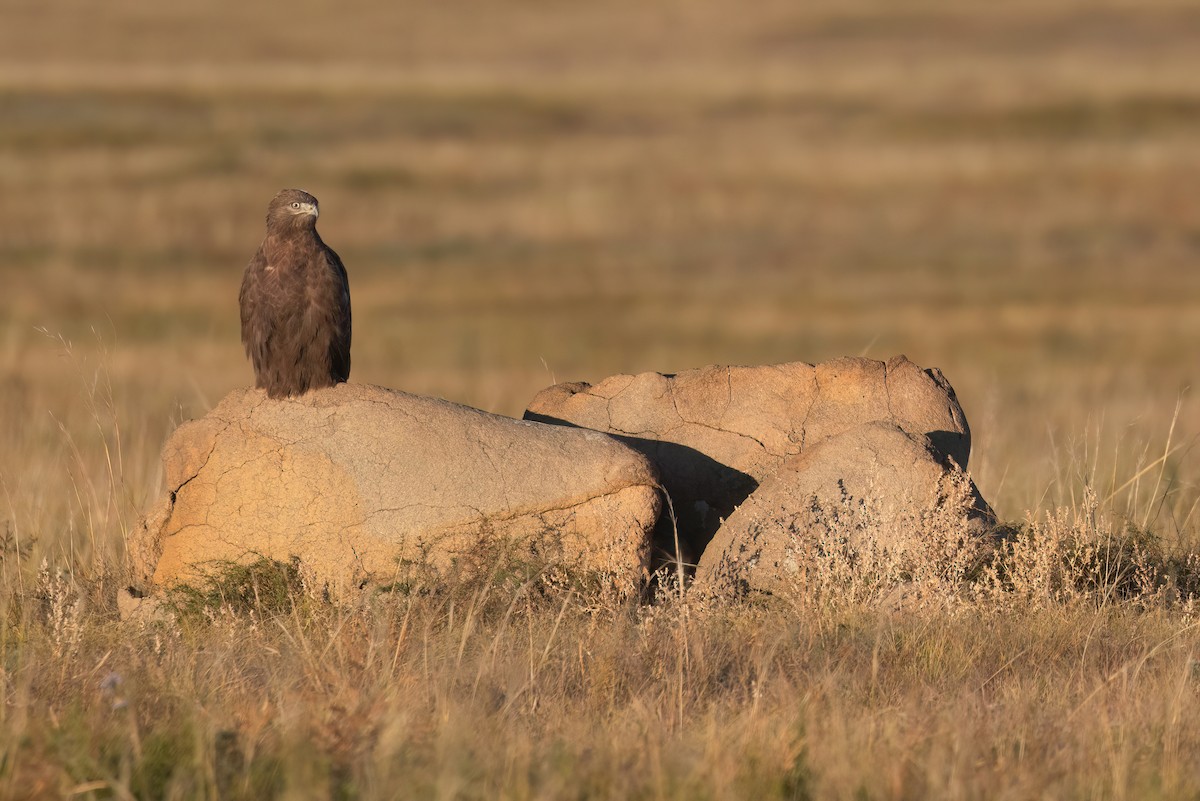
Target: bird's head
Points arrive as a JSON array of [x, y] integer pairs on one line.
[[292, 208]]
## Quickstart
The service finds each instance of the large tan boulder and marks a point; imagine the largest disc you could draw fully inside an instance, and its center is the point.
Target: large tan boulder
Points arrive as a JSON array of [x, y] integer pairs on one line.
[[872, 504], [716, 432], [361, 484]]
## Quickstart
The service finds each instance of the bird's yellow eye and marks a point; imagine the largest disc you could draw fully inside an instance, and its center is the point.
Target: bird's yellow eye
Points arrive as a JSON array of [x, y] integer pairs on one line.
[[295, 205]]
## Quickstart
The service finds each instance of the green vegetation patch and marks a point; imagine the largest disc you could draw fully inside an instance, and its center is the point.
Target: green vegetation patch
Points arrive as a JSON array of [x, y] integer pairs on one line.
[[265, 587]]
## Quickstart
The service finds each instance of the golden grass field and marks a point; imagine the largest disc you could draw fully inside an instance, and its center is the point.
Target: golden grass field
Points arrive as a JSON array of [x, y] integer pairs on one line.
[[531, 192]]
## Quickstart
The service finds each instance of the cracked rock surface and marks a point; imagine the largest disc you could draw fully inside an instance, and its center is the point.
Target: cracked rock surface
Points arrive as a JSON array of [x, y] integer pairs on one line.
[[357, 482], [875, 486], [716, 432]]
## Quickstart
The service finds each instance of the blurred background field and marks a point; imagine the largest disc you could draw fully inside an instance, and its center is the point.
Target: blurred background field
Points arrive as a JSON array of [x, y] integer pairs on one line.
[[526, 192], [530, 192]]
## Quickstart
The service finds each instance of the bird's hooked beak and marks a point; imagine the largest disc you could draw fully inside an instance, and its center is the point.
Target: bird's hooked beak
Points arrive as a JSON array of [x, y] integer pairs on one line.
[[307, 208]]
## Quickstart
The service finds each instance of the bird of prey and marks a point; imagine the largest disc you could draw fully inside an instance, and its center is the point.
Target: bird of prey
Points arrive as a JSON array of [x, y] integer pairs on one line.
[[295, 303]]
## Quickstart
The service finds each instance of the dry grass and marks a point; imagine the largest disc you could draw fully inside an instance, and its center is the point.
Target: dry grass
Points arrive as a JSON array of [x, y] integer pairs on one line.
[[1057, 671], [526, 192]]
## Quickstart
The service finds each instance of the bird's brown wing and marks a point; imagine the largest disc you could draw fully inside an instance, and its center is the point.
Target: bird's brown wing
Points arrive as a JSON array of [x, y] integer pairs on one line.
[[256, 328], [339, 317], [318, 319]]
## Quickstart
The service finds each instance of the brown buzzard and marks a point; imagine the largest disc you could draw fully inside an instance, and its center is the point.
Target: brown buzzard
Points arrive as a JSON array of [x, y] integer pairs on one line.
[[295, 303]]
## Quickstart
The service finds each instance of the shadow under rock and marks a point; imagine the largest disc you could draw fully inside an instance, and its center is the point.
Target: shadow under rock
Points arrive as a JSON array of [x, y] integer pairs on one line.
[[701, 490]]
